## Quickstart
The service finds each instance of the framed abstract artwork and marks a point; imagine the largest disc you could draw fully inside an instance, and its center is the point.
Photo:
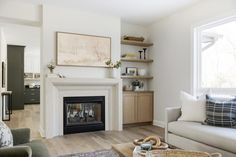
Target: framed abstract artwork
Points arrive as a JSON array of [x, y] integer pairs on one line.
[[82, 50]]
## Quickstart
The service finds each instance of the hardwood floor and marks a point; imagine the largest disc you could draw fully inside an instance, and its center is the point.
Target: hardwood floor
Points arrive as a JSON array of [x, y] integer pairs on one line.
[[85, 142], [27, 118], [82, 142]]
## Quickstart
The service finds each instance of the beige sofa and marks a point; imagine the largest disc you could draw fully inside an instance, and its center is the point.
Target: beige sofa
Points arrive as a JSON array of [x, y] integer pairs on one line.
[[199, 137]]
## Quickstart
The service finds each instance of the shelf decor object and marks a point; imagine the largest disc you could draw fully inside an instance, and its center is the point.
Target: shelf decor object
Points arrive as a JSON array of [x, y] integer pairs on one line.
[[140, 54], [82, 50], [132, 38], [144, 51]]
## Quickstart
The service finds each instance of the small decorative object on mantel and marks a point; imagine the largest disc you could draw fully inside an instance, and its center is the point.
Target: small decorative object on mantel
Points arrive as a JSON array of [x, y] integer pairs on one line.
[[132, 38], [113, 68], [51, 66]]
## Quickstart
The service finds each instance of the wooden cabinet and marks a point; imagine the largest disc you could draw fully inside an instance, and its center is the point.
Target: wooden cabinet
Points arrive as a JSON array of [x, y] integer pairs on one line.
[[129, 108], [137, 107], [145, 107]]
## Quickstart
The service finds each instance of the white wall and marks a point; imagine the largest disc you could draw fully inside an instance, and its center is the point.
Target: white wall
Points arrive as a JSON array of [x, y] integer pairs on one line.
[[134, 30], [75, 21], [19, 10], [32, 61], [71, 20], [3, 57], [172, 50], [28, 36]]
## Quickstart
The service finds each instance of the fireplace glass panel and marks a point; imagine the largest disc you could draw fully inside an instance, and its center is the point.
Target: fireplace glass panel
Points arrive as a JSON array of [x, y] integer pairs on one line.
[[84, 113]]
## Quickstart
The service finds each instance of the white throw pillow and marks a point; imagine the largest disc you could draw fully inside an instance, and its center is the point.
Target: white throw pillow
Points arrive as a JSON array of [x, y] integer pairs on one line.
[[6, 139], [192, 109]]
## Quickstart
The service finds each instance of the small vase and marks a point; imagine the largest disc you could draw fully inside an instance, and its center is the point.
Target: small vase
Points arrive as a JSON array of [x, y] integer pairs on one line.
[[114, 73]]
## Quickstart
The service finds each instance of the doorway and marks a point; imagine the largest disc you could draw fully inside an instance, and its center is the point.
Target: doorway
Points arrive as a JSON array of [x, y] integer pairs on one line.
[[23, 75]]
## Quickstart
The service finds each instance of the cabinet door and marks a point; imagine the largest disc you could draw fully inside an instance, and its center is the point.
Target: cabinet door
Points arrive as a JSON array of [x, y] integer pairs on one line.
[[145, 107], [129, 108]]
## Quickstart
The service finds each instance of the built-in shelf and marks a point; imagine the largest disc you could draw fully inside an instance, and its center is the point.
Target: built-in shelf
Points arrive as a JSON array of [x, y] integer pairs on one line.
[[136, 77], [137, 60], [136, 43], [138, 91]]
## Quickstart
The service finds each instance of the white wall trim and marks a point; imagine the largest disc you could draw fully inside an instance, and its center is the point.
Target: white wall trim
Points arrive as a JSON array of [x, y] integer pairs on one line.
[[195, 56], [20, 21], [159, 123], [41, 131]]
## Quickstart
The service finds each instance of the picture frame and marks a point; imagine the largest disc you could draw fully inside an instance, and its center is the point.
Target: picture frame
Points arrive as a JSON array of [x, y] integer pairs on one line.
[[132, 71], [3, 75], [74, 49]]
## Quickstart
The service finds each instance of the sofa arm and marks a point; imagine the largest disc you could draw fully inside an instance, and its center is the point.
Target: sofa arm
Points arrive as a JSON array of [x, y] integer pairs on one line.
[[20, 136], [171, 114], [16, 151]]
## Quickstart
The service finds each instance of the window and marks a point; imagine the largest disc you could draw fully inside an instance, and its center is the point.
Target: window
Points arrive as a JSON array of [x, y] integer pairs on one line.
[[215, 55]]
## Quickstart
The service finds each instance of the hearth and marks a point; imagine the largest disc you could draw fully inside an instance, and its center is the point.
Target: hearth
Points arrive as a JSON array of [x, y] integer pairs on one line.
[[84, 114]]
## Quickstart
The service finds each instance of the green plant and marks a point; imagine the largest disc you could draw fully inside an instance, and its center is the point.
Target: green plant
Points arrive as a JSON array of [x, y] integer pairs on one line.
[[51, 66], [116, 65]]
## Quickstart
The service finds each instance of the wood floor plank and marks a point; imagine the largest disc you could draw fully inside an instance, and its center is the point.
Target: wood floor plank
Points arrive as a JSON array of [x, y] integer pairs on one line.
[[81, 142]]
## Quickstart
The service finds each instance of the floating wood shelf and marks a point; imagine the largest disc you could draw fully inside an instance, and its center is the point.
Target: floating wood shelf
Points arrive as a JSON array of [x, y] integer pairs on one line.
[[136, 43], [139, 91], [136, 77], [137, 60]]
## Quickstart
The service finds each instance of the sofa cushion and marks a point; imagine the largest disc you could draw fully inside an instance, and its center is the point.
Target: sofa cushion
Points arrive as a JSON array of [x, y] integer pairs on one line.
[[221, 112], [38, 149], [188, 104], [222, 138], [6, 139]]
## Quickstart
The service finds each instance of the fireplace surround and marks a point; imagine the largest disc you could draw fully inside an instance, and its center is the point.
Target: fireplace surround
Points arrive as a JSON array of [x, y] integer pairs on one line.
[[84, 114], [51, 112]]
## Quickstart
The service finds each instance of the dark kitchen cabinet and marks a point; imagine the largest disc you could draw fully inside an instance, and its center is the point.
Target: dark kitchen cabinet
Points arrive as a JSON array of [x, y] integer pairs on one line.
[[15, 75], [32, 96]]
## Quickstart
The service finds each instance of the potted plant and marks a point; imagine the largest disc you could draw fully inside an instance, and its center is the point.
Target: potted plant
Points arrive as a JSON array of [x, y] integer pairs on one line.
[[114, 67], [51, 66]]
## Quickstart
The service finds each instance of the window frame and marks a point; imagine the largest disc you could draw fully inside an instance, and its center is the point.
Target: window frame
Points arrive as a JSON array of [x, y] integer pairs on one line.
[[196, 58]]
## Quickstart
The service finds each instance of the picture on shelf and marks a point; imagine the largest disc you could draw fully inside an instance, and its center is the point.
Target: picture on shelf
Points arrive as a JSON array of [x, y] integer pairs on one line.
[[132, 71]]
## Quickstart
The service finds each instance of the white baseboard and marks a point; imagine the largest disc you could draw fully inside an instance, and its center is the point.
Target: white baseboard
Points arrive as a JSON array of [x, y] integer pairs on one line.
[[159, 123], [41, 131]]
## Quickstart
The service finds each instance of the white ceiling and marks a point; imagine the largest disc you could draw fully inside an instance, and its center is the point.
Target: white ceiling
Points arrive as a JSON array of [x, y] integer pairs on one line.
[[142, 12]]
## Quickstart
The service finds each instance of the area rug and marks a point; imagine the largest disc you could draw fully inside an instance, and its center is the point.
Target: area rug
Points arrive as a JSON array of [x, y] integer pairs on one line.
[[99, 153]]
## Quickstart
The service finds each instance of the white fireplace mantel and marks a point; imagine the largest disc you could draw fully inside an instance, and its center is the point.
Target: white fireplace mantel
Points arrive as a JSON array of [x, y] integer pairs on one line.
[[57, 88]]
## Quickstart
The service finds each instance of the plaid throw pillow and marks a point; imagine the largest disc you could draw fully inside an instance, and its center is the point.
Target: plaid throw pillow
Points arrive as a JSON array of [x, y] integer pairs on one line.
[[221, 111]]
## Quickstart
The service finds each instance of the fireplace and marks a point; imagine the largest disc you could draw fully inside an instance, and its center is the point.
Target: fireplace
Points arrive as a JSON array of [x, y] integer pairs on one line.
[[84, 114]]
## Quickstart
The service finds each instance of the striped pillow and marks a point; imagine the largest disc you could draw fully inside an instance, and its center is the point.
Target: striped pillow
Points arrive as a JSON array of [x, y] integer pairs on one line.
[[221, 111]]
